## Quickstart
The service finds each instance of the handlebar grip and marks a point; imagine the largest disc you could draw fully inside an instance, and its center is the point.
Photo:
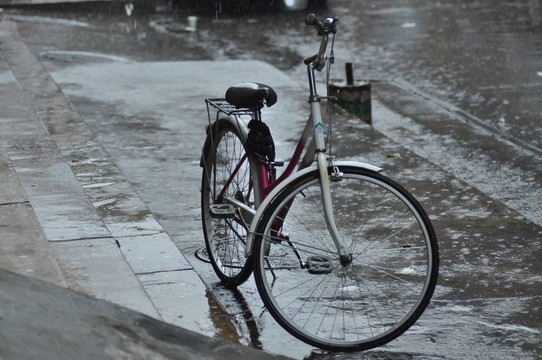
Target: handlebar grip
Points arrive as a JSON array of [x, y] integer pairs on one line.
[[312, 20]]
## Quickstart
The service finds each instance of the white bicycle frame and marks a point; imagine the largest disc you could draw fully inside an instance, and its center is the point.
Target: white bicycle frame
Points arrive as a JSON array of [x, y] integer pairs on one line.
[[317, 148], [322, 165]]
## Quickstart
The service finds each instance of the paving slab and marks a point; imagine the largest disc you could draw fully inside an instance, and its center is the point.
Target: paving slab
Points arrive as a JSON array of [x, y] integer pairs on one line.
[[11, 190], [58, 199], [24, 247], [97, 267], [17, 115], [164, 257]]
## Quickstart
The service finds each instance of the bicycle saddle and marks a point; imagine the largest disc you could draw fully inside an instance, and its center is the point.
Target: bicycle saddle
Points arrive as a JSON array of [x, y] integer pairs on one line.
[[251, 95]]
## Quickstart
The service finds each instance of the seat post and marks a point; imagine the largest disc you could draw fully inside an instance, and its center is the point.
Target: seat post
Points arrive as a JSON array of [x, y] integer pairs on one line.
[[257, 114]]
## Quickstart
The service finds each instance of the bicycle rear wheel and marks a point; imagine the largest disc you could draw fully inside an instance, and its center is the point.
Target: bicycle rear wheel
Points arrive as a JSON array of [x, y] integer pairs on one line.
[[354, 306], [226, 174]]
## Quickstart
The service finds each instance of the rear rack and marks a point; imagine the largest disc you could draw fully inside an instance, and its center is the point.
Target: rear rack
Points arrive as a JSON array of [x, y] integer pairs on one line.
[[225, 107]]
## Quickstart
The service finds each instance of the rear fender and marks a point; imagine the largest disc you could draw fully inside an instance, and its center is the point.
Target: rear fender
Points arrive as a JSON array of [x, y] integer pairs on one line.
[[235, 121]]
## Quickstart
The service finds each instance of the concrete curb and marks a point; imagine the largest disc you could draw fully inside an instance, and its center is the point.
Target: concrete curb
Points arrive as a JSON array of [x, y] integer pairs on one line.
[[34, 318]]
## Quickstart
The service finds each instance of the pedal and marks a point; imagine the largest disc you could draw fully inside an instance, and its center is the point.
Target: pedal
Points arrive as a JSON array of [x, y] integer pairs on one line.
[[222, 211], [319, 265]]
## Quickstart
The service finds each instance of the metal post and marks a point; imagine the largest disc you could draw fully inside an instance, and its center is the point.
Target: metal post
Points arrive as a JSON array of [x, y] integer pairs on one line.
[[349, 74]]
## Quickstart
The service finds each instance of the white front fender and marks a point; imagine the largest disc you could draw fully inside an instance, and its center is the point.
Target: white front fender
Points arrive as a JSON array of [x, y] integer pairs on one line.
[[281, 186]]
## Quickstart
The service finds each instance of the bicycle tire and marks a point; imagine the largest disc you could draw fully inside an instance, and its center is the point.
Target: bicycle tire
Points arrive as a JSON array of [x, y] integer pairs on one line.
[[360, 305], [225, 236]]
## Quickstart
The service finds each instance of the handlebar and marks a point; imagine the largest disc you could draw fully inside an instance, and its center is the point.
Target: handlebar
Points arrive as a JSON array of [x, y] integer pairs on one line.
[[329, 26]]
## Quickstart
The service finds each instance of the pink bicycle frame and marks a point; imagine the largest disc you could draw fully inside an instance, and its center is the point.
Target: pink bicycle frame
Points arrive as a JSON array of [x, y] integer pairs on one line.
[[266, 185]]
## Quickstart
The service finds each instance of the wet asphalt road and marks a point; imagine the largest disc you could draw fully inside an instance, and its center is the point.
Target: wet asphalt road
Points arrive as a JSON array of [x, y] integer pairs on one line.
[[482, 58]]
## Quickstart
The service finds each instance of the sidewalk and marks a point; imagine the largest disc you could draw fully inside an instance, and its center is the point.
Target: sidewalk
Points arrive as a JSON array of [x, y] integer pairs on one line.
[[69, 216]]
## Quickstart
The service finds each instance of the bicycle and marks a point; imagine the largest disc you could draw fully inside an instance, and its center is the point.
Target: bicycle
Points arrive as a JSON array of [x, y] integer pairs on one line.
[[344, 258]]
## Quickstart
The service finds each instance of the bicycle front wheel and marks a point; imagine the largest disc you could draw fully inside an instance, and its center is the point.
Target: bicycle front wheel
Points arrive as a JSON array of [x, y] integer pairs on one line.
[[227, 173], [346, 306]]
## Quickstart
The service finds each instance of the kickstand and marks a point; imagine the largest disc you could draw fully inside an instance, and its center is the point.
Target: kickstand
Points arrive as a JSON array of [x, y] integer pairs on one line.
[[271, 269]]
